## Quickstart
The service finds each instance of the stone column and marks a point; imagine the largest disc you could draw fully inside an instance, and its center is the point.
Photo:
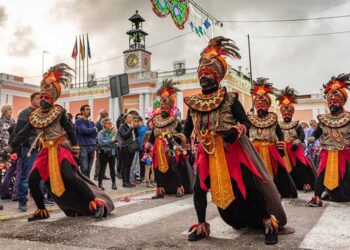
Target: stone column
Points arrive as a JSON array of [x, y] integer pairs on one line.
[[148, 102], [180, 103], [142, 104]]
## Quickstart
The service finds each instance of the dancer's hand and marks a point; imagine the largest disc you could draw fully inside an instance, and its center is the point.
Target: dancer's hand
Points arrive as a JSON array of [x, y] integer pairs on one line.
[[75, 151], [230, 135], [294, 147], [3, 155]]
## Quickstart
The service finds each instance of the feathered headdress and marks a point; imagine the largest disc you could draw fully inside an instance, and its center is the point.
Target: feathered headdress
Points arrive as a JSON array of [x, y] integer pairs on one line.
[[286, 100], [53, 78], [167, 94], [287, 96], [167, 89], [335, 89], [212, 63], [261, 90]]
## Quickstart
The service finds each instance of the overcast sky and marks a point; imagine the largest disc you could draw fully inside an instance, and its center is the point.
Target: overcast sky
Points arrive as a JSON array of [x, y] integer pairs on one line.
[[27, 27]]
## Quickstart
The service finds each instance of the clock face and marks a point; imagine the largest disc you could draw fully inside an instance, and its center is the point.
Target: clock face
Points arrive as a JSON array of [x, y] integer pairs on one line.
[[145, 61], [132, 60]]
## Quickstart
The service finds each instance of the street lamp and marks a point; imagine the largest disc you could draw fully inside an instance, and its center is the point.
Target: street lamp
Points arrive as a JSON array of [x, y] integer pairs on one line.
[[43, 62]]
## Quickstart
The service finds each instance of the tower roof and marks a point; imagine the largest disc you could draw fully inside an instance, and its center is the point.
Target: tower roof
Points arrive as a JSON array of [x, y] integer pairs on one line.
[[136, 31], [136, 18]]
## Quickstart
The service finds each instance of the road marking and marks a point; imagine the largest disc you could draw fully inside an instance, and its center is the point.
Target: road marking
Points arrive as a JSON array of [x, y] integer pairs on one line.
[[117, 204], [219, 229], [331, 231], [146, 216], [133, 200]]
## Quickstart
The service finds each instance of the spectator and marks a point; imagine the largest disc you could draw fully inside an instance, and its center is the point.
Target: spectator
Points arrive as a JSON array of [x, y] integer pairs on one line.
[[5, 123], [86, 136], [128, 145], [135, 177], [106, 139], [5, 187], [147, 159], [304, 125], [142, 129], [310, 130], [120, 119], [103, 114], [26, 160], [313, 151], [77, 117]]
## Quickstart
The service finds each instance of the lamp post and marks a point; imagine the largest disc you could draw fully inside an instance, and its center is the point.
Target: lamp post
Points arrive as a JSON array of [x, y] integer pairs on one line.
[[43, 60]]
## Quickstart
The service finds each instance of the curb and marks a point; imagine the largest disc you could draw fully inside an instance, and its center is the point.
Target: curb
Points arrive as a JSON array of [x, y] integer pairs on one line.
[[56, 208]]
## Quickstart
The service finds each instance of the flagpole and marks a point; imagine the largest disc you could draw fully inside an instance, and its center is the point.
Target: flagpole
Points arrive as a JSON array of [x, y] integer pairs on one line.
[[75, 60], [79, 55], [87, 57], [83, 60], [251, 74]]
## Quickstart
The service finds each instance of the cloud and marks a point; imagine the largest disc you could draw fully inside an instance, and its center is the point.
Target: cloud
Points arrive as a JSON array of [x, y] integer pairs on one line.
[[3, 16], [285, 61], [23, 43]]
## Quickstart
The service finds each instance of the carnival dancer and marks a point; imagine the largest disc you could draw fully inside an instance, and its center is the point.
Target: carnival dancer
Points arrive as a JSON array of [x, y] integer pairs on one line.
[[55, 164], [301, 169], [227, 163], [172, 170], [267, 137], [333, 131]]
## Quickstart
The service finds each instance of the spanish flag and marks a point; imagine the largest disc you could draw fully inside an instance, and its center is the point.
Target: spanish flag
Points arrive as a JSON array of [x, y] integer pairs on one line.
[[82, 49]]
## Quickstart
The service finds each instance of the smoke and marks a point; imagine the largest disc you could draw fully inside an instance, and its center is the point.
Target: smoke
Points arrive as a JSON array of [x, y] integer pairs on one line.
[[22, 45]]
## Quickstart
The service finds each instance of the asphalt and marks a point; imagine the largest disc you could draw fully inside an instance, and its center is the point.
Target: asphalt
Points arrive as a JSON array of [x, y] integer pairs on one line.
[[143, 223]]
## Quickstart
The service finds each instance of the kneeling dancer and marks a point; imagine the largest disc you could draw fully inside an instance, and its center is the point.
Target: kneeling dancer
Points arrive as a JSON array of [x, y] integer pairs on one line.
[[55, 164], [227, 163]]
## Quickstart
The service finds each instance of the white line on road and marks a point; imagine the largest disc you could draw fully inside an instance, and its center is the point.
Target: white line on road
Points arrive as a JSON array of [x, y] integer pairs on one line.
[[133, 200], [331, 231], [147, 216]]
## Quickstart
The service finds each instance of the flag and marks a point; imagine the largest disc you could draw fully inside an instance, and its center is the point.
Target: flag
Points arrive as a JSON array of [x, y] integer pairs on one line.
[[197, 31], [207, 24], [75, 50], [200, 30], [82, 49], [192, 26], [88, 46]]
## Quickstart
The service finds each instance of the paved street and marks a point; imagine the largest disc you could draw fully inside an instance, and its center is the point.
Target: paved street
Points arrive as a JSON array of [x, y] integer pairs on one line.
[[143, 223]]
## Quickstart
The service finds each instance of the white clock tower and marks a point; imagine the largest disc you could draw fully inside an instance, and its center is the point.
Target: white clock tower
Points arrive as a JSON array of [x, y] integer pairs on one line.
[[137, 58]]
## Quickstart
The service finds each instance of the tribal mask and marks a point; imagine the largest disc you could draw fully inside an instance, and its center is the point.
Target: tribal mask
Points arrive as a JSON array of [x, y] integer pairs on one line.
[[212, 64], [167, 93], [286, 100], [335, 91], [261, 92], [50, 87]]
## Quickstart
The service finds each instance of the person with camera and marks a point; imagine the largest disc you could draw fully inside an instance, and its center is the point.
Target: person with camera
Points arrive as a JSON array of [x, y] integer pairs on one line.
[[128, 134], [106, 140]]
